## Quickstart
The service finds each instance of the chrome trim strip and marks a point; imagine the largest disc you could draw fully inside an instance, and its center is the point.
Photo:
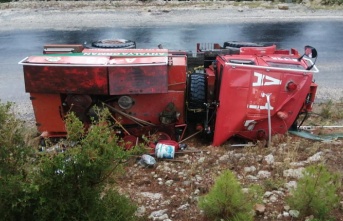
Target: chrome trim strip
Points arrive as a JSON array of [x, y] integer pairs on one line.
[[275, 68]]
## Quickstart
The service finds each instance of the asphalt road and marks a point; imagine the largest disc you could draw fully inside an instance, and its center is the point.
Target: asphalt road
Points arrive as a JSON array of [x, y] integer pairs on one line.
[[325, 36]]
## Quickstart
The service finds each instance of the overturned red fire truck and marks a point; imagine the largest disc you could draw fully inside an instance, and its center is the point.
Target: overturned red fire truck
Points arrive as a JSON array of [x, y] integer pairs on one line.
[[242, 89]]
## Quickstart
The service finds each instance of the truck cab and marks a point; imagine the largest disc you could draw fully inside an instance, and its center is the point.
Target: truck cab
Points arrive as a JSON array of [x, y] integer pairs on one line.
[[256, 91]]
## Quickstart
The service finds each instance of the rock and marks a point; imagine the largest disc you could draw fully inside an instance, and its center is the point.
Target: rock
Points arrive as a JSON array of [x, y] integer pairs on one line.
[[283, 6], [273, 199], [147, 160], [297, 164], [259, 209], [198, 178], [294, 173], [238, 156], [249, 169], [267, 194], [269, 159], [186, 183], [294, 213], [315, 158], [152, 196], [167, 202], [286, 208], [169, 182], [285, 214], [201, 160], [250, 177], [140, 211], [155, 215], [224, 158], [183, 207], [279, 193], [263, 174], [291, 185], [163, 217]]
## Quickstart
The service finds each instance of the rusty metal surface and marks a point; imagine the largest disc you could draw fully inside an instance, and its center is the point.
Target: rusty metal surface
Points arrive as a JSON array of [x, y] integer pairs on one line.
[[48, 112], [138, 80], [79, 80]]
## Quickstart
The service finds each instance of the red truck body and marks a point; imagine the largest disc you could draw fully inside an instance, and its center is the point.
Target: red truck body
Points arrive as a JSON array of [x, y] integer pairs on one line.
[[253, 93]]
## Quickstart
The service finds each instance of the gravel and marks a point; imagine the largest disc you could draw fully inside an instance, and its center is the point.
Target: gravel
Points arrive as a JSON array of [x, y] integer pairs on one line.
[[82, 14]]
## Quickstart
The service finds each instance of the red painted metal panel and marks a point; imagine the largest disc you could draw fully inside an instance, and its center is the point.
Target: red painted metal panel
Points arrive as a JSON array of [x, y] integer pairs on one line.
[[177, 78], [138, 79], [47, 109], [72, 59], [66, 79], [243, 101]]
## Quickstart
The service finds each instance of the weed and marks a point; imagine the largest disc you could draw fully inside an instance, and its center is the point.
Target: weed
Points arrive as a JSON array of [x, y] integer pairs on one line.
[[272, 184], [226, 200], [316, 193], [326, 111]]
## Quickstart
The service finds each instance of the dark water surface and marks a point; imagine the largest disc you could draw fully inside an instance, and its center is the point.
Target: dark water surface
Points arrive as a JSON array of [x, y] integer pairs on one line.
[[326, 36]]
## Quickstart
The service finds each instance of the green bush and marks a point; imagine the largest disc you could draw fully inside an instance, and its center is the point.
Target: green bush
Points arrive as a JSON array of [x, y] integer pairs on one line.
[[14, 166], [226, 200], [68, 185], [315, 193], [71, 183]]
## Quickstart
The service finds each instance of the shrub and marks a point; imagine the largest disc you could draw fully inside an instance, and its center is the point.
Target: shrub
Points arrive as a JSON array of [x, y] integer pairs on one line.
[[68, 185], [14, 166], [72, 183], [226, 200], [315, 193]]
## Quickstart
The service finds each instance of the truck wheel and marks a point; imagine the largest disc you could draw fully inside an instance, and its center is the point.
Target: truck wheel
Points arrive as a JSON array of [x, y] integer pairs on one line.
[[114, 43], [239, 44], [196, 92]]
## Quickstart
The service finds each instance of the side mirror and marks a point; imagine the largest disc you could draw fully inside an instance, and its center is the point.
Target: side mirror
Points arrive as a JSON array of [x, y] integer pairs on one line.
[[310, 52]]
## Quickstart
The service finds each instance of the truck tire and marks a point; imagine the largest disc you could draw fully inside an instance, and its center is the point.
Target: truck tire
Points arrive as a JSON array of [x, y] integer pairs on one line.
[[114, 43], [239, 44], [196, 92]]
